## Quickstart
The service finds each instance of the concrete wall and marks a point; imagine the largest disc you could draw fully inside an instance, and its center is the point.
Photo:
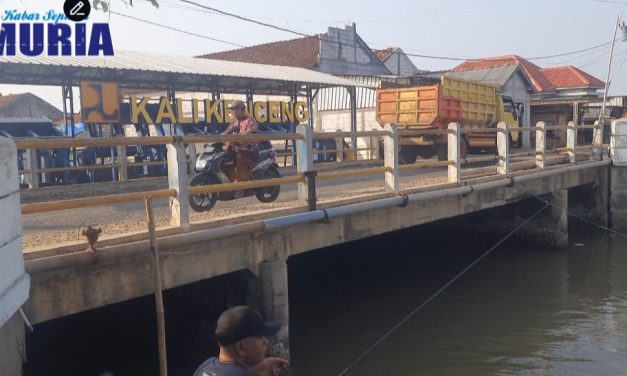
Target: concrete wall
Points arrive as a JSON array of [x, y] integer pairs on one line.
[[342, 51], [516, 88], [14, 282], [399, 64]]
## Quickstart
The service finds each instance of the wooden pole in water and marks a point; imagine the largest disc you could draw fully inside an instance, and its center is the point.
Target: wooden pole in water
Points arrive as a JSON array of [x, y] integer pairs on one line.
[[156, 277]]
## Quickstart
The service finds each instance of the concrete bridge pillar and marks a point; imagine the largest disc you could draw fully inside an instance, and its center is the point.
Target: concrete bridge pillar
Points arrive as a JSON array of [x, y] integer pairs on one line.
[[273, 275], [551, 227]]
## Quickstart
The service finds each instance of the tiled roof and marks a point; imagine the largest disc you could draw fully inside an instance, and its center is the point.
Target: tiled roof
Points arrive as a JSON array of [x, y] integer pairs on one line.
[[532, 71], [570, 77], [300, 52], [385, 53]]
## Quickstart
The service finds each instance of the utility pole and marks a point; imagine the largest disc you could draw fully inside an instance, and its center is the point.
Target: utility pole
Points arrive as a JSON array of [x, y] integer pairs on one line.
[[609, 68]]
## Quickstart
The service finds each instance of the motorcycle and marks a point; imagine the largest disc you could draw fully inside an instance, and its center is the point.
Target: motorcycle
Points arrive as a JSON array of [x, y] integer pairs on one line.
[[209, 170]]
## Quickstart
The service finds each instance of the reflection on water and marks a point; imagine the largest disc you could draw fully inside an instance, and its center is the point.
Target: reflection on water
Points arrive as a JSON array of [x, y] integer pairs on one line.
[[521, 311]]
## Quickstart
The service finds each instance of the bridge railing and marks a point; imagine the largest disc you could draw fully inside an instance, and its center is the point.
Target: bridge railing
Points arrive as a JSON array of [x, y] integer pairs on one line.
[[307, 173]]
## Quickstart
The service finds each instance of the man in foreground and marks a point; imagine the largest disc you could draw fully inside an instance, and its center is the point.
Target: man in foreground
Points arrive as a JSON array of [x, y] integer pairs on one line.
[[241, 334]]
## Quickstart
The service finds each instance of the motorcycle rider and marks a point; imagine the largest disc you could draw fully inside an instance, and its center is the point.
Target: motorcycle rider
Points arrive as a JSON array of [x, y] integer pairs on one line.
[[245, 153]]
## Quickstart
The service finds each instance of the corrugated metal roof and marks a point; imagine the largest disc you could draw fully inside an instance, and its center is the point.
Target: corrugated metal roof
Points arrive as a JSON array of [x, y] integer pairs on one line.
[[159, 71], [497, 76]]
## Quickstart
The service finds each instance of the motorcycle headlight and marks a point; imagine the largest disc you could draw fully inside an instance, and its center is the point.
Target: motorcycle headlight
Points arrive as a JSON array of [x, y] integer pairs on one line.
[[202, 161]]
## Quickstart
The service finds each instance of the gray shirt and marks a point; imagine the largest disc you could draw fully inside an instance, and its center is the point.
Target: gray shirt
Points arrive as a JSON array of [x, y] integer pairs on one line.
[[213, 367]]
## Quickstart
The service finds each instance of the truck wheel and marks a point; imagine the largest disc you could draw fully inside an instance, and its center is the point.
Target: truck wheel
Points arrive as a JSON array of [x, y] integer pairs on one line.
[[426, 152], [408, 155]]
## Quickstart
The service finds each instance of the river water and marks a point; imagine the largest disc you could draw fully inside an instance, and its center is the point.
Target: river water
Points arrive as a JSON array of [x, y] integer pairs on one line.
[[523, 310]]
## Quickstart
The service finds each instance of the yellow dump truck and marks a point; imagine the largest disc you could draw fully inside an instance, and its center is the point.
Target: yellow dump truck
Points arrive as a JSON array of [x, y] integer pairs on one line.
[[472, 104]]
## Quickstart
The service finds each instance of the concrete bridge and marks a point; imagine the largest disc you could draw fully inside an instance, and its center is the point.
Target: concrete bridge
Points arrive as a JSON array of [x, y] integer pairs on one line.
[[67, 279]]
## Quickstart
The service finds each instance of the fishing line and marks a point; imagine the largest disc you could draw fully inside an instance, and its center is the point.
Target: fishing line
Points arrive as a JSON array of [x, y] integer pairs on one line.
[[437, 293]]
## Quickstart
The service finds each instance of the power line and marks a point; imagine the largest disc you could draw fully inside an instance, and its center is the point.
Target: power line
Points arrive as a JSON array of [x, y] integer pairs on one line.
[[245, 18], [179, 30]]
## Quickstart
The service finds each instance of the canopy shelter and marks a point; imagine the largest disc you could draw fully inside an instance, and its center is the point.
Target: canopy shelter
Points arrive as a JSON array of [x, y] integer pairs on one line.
[[150, 71], [158, 72]]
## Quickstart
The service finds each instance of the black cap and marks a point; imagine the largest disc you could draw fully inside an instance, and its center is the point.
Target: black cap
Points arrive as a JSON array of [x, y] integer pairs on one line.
[[237, 323]]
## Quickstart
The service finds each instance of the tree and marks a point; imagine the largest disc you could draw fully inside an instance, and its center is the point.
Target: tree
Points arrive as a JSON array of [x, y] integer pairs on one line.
[[104, 4]]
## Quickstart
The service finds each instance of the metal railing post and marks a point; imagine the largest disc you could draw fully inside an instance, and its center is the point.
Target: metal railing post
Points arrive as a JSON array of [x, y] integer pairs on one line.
[[502, 145], [123, 163], [304, 159], [178, 180], [339, 147], [540, 144], [571, 142], [597, 140], [191, 156], [33, 166], [454, 153], [390, 158]]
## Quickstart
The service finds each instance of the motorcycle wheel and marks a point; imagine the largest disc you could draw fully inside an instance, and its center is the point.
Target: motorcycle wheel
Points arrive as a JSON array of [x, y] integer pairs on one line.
[[203, 202], [269, 194]]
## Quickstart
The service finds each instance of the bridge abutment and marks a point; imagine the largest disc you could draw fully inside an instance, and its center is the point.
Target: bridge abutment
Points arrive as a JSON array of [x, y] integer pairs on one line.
[[618, 198], [275, 303]]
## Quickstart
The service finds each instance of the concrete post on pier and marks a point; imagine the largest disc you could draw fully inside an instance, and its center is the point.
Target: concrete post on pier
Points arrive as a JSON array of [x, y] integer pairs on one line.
[[14, 282], [597, 141], [178, 180], [390, 158], [502, 145], [571, 142], [273, 275], [540, 144], [454, 153], [304, 158]]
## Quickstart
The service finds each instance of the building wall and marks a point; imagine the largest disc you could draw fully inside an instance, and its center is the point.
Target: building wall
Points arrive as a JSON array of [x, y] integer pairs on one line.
[[332, 121], [399, 64], [342, 51], [516, 88], [14, 282]]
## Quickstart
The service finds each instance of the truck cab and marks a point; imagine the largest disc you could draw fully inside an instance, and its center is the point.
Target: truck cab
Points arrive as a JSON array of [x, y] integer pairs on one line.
[[512, 115]]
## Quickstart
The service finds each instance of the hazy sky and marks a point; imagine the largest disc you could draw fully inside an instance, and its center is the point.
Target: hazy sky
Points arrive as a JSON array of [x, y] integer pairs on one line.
[[451, 28]]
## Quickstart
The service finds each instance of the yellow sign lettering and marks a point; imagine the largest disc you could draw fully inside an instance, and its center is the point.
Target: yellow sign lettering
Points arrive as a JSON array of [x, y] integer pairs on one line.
[[261, 111], [212, 110], [301, 112], [140, 109], [165, 111]]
